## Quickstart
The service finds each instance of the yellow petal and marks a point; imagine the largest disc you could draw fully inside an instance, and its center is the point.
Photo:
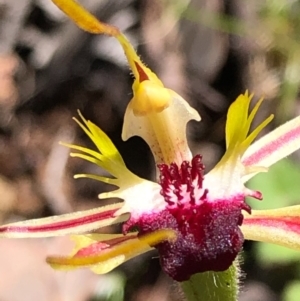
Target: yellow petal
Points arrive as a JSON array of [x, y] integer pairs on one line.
[[108, 259], [229, 174], [107, 157], [85, 241], [236, 125], [239, 122]]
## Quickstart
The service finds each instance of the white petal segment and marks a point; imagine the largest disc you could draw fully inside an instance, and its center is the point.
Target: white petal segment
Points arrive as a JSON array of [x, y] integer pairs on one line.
[[226, 177], [273, 147], [142, 198], [72, 223], [278, 226]]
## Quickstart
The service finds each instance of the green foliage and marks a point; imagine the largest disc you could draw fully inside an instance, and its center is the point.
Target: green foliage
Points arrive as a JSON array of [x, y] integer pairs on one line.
[[270, 254], [280, 186], [111, 288], [292, 291]]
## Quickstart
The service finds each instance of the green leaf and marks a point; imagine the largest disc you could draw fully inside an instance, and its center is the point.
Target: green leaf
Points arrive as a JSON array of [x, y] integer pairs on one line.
[[292, 291], [268, 254], [279, 186]]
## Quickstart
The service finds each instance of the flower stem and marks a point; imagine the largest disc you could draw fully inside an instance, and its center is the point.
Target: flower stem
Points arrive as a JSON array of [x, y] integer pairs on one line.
[[213, 286]]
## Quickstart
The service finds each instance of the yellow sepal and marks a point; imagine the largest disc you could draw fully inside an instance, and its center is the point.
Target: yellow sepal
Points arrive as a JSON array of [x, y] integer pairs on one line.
[[108, 259], [88, 22]]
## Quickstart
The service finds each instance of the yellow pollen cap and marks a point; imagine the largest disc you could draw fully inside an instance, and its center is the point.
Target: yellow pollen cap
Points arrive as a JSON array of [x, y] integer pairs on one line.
[[150, 98]]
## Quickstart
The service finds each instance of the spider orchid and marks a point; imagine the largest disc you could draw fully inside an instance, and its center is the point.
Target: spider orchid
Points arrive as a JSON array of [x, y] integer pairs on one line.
[[196, 221]]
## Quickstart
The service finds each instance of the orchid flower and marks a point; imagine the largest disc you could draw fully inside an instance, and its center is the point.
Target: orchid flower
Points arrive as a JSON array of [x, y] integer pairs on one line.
[[196, 221]]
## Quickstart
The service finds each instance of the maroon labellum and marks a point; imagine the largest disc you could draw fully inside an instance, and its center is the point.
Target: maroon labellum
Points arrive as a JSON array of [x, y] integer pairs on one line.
[[208, 233]]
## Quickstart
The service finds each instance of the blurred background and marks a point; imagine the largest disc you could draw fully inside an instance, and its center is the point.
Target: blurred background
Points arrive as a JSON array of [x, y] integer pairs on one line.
[[209, 51]]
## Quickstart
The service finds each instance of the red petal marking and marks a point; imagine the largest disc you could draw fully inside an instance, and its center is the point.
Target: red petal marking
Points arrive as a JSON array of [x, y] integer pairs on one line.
[[62, 224], [271, 147], [143, 76], [98, 246], [173, 177], [288, 223]]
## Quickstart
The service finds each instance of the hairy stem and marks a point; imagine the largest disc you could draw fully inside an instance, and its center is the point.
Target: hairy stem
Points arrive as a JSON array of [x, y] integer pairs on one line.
[[213, 286]]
